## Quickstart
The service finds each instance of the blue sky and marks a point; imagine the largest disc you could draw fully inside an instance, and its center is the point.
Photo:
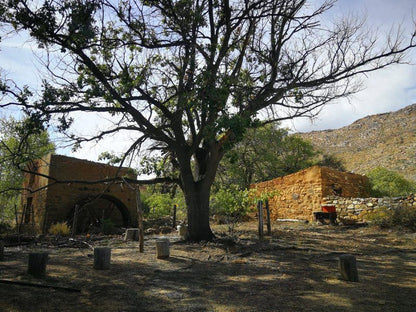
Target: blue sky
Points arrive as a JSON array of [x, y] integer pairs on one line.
[[386, 90]]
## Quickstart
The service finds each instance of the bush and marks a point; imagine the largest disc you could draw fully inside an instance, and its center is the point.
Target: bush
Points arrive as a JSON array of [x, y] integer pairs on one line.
[[159, 205], [401, 217], [231, 203], [384, 182], [60, 228]]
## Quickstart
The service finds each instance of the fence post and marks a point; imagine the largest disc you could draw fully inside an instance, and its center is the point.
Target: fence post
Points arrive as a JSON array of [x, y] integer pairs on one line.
[[260, 215], [348, 267], [269, 226], [140, 220], [74, 222], [174, 216]]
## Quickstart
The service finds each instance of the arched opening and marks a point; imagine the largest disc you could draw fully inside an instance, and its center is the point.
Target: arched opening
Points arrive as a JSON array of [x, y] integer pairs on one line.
[[99, 214]]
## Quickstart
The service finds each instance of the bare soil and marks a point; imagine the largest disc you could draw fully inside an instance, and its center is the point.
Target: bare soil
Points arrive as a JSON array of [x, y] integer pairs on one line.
[[295, 269]]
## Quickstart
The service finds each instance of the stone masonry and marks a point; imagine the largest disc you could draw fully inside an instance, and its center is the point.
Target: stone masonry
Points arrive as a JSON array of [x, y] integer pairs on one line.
[[54, 202], [351, 210], [300, 194]]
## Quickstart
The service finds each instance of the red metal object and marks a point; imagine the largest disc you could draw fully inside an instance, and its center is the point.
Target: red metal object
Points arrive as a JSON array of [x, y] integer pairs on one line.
[[328, 208]]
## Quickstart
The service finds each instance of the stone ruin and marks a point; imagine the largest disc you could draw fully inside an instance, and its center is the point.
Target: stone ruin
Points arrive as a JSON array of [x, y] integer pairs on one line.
[[302, 193], [45, 202]]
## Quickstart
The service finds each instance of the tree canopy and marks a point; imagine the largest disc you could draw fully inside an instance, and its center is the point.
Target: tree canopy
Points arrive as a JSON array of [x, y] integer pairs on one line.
[[189, 77], [265, 153]]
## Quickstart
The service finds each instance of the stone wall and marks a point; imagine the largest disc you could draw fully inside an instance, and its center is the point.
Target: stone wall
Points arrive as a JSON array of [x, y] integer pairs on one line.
[[56, 202], [300, 194], [351, 210]]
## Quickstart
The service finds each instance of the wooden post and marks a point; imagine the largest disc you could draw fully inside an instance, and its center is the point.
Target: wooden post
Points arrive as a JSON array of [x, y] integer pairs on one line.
[[16, 215], [140, 220], [260, 215], [32, 212], [132, 234], [348, 268], [1, 250], [102, 257], [37, 264], [269, 226], [162, 248], [174, 217], [74, 222]]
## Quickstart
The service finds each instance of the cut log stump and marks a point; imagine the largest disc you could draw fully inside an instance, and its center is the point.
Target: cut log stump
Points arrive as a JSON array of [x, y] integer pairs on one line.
[[102, 257], [132, 234], [162, 248], [37, 264], [348, 268]]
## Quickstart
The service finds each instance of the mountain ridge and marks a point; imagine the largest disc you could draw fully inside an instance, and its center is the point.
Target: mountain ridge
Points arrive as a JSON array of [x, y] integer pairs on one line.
[[383, 140]]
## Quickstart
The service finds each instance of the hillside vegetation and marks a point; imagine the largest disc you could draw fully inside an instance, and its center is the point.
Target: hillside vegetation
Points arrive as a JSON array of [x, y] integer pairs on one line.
[[384, 140]]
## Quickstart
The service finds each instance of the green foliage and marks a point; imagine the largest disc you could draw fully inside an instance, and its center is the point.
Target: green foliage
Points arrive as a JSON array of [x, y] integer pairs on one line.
[[231, 203], [385, 182], [265, 153], [181, 75], [111, 158], [400, 217], [331, 161], [158, 205], [21, 142]]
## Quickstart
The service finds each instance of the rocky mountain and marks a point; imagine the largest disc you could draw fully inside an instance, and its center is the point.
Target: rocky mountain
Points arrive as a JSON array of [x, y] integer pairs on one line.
[[384, 140]]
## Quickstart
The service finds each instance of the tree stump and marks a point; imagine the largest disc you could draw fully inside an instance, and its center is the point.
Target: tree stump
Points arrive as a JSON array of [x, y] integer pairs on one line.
[[348, 268], [102, 257], [162, 248], [1, 250], [132, 234], [37, 264]]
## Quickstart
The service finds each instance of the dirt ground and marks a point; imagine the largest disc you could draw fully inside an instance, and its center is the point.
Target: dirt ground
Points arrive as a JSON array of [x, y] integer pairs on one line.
[[296, 269]]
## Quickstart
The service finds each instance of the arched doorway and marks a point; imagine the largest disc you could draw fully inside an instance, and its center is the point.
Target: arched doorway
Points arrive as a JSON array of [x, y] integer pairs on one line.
[[99, 214]]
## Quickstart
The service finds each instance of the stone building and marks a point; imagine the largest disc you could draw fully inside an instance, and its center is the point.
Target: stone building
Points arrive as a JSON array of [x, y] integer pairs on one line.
[[301, 193], [45, 202]]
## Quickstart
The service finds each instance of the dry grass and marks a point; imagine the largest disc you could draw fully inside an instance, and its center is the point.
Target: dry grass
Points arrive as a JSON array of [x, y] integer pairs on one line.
[[294, 270]]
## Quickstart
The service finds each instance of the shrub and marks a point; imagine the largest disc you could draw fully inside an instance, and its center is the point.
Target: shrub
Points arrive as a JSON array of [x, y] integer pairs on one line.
[[160, 205], [385, 182], [400, 217], [60, 228], [231, 203]]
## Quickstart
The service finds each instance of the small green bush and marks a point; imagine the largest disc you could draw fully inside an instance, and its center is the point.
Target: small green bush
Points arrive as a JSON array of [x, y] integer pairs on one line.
[[158, 205], [230, 203], [401, 217], [385, 182]]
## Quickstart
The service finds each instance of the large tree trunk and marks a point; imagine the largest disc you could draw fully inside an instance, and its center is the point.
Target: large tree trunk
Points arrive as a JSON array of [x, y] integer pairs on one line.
[[196, 185], [197, 202]]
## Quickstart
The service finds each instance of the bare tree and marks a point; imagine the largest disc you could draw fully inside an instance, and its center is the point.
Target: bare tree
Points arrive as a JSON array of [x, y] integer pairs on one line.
[[191, 76]]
